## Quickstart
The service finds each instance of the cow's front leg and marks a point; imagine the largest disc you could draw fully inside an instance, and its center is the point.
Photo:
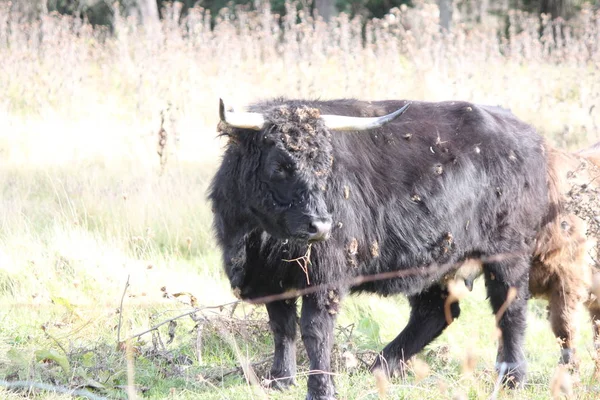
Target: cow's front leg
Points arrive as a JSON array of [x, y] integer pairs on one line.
[[316, 324], [499, 278], [283, 319]]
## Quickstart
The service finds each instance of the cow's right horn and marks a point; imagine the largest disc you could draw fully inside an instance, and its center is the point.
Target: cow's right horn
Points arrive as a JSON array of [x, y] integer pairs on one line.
[[245, 120], [343, 123]]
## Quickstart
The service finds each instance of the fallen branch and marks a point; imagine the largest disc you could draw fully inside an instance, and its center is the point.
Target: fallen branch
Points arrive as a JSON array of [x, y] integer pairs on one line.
[[25, 386], [185, 314], [238, 369]]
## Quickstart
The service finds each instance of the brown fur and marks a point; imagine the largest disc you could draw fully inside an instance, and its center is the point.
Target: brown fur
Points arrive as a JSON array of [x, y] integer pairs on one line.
[[565, 270], [564, 259], [592, 154]]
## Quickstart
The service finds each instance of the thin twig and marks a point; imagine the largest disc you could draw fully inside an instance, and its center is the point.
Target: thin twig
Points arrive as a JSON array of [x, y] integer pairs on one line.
[[121, 312], [317, 372], [344, 330], [361, 279], [233, 309], [54, 339], [303, 262]]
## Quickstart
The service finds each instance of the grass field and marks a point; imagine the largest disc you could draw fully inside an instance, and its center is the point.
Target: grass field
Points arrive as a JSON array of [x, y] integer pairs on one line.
[[87, 204]]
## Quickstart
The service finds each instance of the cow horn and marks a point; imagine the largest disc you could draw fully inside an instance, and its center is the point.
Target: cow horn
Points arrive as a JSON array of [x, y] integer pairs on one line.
[[341, 123], [246, 120]]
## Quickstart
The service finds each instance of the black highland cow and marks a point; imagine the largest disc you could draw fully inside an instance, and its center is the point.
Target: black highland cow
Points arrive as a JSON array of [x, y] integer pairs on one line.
[[372, 192]]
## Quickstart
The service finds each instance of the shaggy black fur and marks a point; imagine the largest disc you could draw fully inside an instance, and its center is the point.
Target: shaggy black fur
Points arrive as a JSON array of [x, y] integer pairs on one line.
[[443, 183]]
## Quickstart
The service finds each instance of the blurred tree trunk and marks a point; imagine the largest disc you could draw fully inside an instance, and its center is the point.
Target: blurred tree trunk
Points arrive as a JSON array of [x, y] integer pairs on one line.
[[445, 14], [148, 11], [29, 10], [556, 8], [483, 10], [145, 10], [325, 8]]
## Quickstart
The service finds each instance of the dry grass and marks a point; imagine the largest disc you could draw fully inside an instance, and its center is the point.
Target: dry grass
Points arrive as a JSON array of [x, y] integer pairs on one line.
[[85, 200], [88, 89]]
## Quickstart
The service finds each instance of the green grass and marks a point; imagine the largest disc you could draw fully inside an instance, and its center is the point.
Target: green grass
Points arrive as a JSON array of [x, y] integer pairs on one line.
[[87, 338]]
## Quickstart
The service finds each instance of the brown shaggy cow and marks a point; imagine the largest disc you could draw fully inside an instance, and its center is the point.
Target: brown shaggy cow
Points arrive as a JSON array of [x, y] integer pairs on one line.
[[565, 260]]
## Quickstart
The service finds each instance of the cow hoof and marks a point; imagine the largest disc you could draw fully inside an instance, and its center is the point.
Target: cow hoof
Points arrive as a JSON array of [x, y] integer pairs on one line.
[[567, 356], [389, 368], [570, 361], [279, 383], [310, 396], [513, 374]]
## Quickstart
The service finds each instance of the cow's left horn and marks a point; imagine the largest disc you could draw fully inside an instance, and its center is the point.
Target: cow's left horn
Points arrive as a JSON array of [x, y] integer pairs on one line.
[[341, 123], [246, 120]]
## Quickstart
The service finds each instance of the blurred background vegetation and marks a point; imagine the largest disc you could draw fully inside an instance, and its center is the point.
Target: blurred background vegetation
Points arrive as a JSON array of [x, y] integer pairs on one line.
[[102, 12]]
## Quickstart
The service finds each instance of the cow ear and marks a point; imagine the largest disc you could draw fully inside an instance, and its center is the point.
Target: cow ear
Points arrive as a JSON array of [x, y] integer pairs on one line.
[[232, 134], [233, 140]]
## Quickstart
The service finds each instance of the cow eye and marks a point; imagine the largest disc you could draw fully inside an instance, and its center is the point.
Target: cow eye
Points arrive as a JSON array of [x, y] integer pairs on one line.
[[279, 171], [283, 170]]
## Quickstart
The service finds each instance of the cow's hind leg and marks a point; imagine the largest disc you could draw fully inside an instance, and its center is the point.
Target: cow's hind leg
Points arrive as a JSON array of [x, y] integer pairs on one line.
[[593, 307], [563, 307], [427, 321], [283, 319], [499, 278]]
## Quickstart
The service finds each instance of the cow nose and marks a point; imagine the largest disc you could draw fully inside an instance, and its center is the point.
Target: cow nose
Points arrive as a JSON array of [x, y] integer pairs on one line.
[[319, 230]]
